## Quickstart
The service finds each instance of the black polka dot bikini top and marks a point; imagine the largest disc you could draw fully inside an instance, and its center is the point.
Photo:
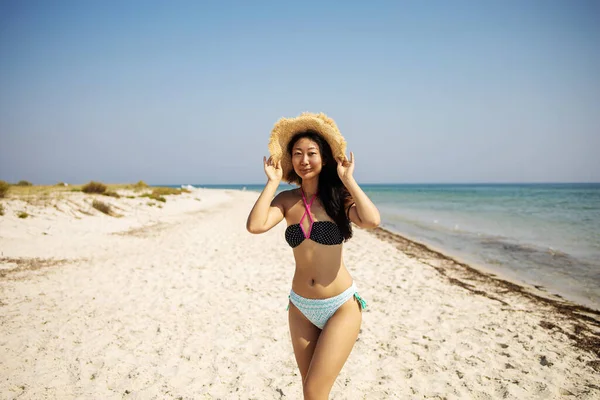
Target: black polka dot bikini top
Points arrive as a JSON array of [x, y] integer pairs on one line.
[[323, 232]]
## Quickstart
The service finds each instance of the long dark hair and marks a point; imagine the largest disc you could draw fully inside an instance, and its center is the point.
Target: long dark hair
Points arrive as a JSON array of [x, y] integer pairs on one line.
[[333, 194]]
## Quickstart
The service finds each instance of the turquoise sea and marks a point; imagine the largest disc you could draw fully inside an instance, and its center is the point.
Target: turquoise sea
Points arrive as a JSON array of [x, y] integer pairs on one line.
[[541, 234]]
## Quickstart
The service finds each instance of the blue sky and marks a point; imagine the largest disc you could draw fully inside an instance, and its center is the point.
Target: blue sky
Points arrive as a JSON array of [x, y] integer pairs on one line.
[[187, 92]]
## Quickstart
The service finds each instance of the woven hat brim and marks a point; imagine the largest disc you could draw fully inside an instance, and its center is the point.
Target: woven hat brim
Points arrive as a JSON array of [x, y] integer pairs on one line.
[[286, 128]]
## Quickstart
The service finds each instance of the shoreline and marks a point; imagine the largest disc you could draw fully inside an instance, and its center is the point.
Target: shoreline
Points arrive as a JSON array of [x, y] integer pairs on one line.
[[486, 283], [536, 290]]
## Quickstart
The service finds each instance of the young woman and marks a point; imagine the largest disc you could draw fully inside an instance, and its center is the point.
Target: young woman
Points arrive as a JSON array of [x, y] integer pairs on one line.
[[325, 308]]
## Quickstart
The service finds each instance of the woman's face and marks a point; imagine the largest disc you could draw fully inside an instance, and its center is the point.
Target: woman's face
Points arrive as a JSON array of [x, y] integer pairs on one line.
[[306, 158]]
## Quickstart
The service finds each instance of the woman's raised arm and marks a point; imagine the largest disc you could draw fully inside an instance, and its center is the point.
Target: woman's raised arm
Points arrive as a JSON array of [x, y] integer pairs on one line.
[[363, 212], [267, 213]]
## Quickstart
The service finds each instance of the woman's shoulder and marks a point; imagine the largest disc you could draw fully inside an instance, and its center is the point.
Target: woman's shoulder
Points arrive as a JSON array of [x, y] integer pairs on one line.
[[285, 200], [286, 196], [289, 195], [294, 192]]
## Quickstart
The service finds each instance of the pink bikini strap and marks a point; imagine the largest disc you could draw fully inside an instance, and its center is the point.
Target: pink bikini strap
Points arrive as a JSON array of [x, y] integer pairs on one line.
[[307, 211]]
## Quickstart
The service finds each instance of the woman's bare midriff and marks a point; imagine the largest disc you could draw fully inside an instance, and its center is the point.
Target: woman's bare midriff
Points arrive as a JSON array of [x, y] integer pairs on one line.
[[320, 271]]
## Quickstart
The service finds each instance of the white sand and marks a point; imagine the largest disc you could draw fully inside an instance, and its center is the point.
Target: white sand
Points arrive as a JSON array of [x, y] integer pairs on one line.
[[182, 302]]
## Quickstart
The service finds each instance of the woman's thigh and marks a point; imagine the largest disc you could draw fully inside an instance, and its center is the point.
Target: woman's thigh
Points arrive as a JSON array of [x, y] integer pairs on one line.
[[304, 339], [334, 346]]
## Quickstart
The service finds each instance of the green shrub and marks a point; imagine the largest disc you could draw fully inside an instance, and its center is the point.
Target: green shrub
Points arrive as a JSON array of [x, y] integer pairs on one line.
[[4, 186], [22, 214], [94, 187], [24, 183], [76, 190], [102, 207], [131, 197], [1, 209]]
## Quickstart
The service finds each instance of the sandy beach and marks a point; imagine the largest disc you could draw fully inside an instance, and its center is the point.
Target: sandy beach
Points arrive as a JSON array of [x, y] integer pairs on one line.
[[176, 300]]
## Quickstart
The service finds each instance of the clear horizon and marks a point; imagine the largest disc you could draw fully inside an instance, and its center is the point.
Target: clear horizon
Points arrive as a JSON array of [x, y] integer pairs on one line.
[[390, 183], [424, 92]]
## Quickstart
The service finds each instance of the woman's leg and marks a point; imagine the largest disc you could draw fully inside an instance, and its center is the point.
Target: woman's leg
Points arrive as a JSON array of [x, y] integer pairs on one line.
[[304, 339], [333, 348]]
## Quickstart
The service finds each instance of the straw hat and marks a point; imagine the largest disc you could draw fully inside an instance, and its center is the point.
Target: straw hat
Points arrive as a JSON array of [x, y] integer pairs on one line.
[[286, 128]]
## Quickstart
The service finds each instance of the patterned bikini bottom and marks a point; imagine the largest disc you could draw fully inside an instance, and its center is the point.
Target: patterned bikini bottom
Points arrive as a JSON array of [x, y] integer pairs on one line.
[[318, 311]]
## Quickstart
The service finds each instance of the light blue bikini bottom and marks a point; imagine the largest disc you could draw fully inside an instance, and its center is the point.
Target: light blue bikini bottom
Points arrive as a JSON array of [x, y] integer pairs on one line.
[[318, 311]]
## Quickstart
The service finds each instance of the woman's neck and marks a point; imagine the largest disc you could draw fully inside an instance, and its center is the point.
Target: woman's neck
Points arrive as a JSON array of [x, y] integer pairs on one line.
[[310, 188]]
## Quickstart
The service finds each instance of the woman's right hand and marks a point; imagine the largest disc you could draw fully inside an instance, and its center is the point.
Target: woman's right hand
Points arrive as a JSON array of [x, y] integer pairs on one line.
[[273, 170]]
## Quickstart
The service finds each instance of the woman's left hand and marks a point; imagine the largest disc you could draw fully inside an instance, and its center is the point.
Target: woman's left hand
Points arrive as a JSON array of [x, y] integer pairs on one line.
[[345, 168]]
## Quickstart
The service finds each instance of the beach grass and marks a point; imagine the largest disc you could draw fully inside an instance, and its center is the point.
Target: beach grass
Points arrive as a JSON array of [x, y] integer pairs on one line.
[[24, 183], [154, 196], [4, 186], [47, 195], [112, 194], [14, 191], [22, 214], [140, 185], [101, 206], [165, 191], [94, 187]]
